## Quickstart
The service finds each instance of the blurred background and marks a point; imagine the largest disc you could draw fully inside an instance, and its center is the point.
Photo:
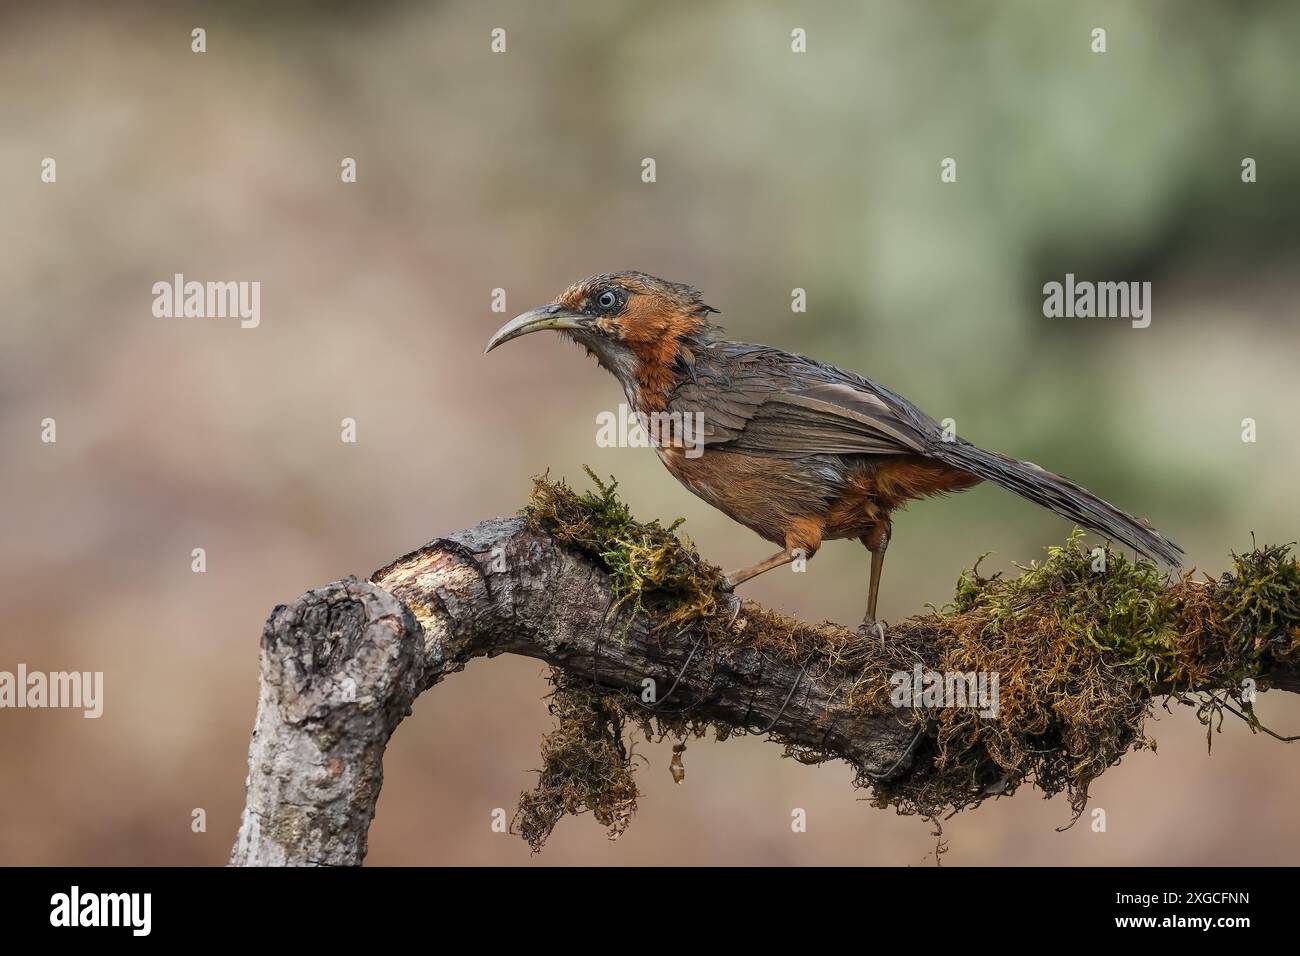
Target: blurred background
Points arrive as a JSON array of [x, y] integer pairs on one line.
[[522, 171]]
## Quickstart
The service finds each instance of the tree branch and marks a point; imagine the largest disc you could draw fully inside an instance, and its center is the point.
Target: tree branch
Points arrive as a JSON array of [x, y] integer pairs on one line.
[[342, 665]]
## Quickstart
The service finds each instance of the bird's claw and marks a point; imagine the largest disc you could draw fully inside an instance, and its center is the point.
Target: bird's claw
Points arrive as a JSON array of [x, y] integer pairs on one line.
[[869, 626], [733, 608]]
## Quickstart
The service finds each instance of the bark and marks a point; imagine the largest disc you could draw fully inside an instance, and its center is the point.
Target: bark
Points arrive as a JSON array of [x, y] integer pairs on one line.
[[340, 668], [342, 665]]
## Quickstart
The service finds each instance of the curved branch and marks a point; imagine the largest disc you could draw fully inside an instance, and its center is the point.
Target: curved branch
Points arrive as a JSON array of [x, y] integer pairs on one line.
[[343, 664]]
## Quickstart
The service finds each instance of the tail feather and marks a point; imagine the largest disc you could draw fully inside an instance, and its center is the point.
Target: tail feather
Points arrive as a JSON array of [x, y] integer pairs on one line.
[[1061, 496]]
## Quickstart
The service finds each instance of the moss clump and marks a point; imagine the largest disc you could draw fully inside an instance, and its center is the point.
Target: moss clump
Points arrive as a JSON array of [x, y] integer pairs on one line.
[[1258, 607], [587, 764], [652, 570], [1077, 647], [1081, 649], [1239, 627], [1123, 609]]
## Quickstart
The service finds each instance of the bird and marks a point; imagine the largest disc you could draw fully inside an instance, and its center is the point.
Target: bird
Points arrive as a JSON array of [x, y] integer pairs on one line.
[[797, 450]]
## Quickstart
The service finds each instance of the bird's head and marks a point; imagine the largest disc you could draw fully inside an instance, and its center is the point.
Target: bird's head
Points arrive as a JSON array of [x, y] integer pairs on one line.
[[639, 327]]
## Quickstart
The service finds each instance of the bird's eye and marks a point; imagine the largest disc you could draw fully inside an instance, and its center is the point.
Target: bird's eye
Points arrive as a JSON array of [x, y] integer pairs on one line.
[[607, 300]]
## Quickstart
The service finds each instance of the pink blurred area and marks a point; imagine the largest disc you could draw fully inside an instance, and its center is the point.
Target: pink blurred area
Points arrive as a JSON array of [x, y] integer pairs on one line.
[[521, 171]]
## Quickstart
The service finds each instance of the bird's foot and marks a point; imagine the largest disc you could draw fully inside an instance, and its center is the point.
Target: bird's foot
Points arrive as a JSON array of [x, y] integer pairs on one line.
[[733, 608], [727, 588], [871, 626]]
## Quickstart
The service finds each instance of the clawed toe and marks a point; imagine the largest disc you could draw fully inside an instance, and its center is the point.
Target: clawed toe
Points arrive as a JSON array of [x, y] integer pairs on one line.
[[869, 626], [733, 609]]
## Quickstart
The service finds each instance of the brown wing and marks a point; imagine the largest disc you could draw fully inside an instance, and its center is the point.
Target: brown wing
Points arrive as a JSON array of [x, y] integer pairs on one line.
[[767, 402]]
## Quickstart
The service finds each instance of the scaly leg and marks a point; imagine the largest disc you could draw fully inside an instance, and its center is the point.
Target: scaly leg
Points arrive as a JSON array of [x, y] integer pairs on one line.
[[873, 590], [736, 578], [876, 543], [801, 541]]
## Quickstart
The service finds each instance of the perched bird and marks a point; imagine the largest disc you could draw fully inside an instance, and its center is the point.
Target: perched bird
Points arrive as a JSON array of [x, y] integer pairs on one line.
[[795, 449]]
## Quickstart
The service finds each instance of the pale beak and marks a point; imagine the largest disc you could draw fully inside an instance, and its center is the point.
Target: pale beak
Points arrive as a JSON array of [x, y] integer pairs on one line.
[[547, 317]]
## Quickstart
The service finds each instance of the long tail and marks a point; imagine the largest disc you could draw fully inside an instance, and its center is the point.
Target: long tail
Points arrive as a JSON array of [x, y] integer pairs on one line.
[[1060, 495]]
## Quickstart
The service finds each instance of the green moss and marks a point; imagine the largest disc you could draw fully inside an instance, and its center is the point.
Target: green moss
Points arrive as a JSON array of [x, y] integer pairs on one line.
[[1260, 604], [1078, 642], [1124, 609], [652, 570]]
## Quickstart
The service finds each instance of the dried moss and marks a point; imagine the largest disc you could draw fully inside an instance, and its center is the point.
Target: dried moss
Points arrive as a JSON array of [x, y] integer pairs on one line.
[[587, 764], [1080, 651]]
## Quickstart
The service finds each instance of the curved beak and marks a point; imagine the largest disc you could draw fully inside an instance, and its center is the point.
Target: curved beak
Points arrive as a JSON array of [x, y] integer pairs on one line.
[[535, 320]]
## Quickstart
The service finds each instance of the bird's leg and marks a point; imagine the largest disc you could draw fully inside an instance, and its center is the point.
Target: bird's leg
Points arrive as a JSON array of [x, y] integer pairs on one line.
[[735, 578], [739, 577], [877, 541], [873, 589]]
